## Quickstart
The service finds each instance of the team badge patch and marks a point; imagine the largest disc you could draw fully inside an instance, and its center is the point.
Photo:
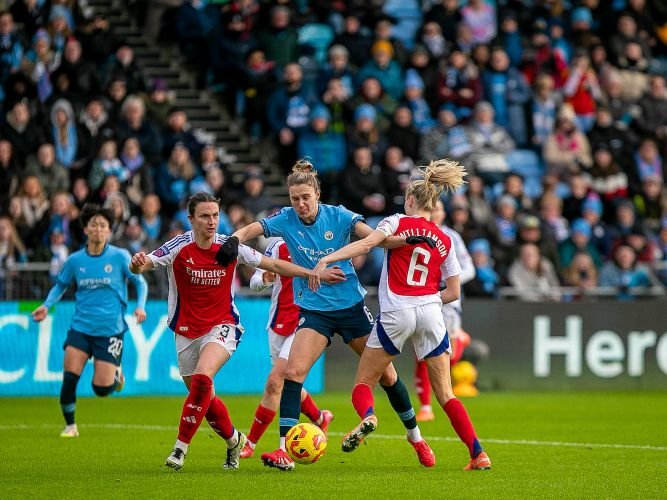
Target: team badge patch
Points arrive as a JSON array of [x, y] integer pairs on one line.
[[328, 236], [108, 268], [160, 252]]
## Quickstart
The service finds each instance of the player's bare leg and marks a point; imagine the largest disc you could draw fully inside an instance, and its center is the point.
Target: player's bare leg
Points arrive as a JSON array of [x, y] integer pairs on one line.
[[75, 360], [307, 347], [399, 398], [268, 406], [372, 365], [439, 373]]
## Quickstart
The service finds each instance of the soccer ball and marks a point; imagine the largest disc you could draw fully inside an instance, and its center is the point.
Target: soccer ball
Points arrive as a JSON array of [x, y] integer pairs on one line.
[[305, 443]]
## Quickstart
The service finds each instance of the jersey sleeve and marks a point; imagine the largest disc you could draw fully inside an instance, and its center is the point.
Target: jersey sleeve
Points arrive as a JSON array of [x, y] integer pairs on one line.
[[349, 218], [249, 256], [450, 267], [256, 281], [165, 255], [276, 224], [389, 225], [64, 280]]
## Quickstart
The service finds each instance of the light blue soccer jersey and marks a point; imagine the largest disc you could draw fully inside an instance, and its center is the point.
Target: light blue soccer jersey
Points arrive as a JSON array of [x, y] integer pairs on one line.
[[101, 290], [307, 243]]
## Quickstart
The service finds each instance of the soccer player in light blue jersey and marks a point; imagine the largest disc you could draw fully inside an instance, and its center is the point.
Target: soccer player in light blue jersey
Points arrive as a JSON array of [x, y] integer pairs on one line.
[[311, 230], [100, 271]]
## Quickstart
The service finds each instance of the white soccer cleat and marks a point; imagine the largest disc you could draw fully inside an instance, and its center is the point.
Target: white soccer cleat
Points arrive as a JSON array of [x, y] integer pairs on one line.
[[176, 459], [234, 454], [70, 431], [357, 435]]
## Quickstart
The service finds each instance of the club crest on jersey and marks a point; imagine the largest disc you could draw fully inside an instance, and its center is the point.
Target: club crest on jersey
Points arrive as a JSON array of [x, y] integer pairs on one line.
[[108, 268], [328, 236]]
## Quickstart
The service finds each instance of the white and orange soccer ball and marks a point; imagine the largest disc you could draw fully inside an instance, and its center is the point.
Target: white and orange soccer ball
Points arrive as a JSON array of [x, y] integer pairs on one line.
[[305, 443]]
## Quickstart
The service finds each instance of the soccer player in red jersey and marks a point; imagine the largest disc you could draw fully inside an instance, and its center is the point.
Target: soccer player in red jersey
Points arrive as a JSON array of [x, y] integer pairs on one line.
[[204, 318], [283, 321], [410, 304]]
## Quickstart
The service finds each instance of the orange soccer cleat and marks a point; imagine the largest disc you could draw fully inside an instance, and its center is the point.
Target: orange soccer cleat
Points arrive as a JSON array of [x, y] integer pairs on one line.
[[480, 462], [425, 415]]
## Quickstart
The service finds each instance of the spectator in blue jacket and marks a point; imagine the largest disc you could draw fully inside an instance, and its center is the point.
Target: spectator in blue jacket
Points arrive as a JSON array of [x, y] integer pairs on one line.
[[508, 91], [326, 148], [384, 68], [288, 111]]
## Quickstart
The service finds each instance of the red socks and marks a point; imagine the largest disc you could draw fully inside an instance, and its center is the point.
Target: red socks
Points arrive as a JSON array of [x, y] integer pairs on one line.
[[263, 417], [422, 383], [461, 423], [218, 418], [310, 409], [195, 407], [362, 400]]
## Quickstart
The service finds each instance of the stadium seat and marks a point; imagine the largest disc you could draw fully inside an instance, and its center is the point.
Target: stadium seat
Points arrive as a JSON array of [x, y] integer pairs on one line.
[[317, 36]]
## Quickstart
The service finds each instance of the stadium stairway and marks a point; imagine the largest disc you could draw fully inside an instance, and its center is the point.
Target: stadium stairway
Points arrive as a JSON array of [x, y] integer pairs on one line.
[[205, 112]]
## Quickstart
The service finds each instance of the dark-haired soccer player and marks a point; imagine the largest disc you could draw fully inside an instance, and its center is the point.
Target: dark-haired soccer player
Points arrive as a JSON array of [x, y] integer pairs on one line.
[[100, 271], [204, 318]]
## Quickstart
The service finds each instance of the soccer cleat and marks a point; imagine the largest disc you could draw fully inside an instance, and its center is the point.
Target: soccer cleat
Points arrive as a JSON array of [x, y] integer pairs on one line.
[[425, 415], [70, 431], [480, 462], [119, 379], [176, 459], [234, 454], [278, 459], [247, 450], [424, 453], [352, 441], [327, 417]]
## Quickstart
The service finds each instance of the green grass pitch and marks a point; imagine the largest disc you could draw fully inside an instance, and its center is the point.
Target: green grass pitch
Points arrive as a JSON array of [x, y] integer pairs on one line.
[[546, 445]]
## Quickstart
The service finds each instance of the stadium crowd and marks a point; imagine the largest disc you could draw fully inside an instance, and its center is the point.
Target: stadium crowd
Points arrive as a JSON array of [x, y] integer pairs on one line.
[[558, 109]]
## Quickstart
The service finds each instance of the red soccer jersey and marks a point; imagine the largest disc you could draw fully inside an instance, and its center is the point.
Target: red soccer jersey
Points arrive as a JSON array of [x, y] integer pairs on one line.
[[411, 274], [201, 292]]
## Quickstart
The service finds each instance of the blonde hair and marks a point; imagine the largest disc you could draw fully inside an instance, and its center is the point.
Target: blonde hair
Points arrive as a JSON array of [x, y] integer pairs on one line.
[[303, 172], [438, 176]]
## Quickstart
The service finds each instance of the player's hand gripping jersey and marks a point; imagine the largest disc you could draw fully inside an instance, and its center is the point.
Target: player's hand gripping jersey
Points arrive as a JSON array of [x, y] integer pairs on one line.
[[194, 274], [411, 275]]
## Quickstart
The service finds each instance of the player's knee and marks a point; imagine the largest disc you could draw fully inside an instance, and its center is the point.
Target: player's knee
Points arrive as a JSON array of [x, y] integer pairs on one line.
[[274, 385], [103, 390], [296, 373]]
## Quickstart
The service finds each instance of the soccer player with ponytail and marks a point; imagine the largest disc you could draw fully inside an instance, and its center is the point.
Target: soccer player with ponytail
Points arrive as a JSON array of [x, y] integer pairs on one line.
[[312, 230], [410, 303]]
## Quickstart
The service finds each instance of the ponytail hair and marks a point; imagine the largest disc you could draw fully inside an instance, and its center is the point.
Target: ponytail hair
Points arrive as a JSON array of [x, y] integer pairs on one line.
[[303, 172], [438, 176]]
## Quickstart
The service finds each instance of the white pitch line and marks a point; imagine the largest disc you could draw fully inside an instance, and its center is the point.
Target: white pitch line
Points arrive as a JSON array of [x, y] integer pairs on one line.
[[525, 442]]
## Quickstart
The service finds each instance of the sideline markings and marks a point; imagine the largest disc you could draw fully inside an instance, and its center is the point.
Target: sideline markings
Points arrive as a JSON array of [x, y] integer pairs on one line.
[[524, 442]]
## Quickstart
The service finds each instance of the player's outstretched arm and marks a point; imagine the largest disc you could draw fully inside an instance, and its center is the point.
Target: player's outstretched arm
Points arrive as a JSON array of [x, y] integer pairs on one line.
[[140, 263], [54, 296], [362, 230], [332, 275], [453, 290], [249, 232]]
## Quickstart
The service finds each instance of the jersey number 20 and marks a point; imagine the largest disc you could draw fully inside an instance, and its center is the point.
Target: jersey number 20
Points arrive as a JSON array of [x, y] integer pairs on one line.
[[418, 270]]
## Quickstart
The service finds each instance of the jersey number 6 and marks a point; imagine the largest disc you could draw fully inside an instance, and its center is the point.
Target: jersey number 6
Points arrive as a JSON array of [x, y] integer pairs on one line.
[[418, 268]]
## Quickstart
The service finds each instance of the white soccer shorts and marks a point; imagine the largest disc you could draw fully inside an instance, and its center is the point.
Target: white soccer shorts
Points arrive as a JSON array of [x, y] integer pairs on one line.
[[187, 350], [423, 324], [279, 346]]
